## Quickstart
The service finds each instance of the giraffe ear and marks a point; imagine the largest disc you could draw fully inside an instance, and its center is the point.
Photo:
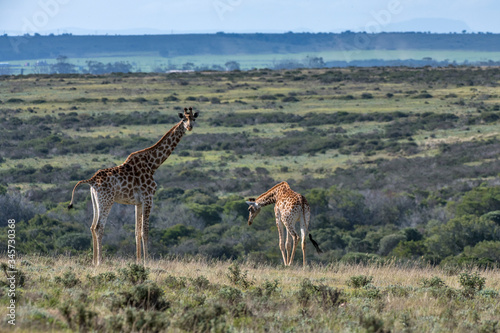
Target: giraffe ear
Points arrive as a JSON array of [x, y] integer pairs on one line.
[[195, 115], [252, 203], [181, 115]]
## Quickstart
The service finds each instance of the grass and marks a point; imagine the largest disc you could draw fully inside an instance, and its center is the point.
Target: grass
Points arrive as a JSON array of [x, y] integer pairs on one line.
[[198, 295], [63, 94]]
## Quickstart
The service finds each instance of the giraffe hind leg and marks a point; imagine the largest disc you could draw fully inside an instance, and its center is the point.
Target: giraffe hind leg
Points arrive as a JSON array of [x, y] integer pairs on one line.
[[281, 240], [288, 246], [303, 238], [95, 207], [295, 239], [104, 207]]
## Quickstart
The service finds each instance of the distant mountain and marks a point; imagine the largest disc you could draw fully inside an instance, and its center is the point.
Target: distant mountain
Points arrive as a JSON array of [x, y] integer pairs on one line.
[[436, 25]]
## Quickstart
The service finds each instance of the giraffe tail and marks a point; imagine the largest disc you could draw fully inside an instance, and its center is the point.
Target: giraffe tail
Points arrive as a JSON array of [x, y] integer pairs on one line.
[[316, 246], [73, 194]]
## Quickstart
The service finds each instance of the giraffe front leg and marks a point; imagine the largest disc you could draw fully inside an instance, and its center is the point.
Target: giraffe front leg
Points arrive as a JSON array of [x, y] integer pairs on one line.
[[138, 232], [145, 229]]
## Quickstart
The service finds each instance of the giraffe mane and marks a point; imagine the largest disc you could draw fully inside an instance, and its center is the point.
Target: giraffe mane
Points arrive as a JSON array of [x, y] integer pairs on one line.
[[272, 189], [170, 131]]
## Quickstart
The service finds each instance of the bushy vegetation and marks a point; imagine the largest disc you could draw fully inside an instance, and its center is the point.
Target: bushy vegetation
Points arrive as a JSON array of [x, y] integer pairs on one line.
[[399, 167], [199, 295], [403, 161]]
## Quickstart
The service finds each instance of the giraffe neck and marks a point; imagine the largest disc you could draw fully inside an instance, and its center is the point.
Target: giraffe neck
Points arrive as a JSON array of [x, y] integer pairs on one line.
[[160, 151], [273, 195]]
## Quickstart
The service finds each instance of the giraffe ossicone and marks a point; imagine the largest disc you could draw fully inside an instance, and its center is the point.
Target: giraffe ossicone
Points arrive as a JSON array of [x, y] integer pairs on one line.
[[289, 207], [132, 183]]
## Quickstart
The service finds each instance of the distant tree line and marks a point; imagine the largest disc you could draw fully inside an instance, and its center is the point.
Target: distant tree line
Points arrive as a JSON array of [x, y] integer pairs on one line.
[[44, 47], [63, 66]]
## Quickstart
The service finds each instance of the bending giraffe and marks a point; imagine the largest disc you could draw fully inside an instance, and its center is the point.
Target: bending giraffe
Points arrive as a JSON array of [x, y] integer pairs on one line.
[[289, 208], [132, 183]]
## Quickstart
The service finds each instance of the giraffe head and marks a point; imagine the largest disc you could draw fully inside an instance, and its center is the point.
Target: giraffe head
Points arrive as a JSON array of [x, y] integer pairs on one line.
[[253, 210], [188, 118]]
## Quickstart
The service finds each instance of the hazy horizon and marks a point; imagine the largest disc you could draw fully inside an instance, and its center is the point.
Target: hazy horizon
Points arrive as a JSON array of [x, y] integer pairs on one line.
[[238, 16]]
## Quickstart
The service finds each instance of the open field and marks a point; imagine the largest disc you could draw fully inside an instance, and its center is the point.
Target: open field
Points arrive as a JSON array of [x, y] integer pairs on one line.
[[218, 95], [60, 294], [152, 61], [399, 165]]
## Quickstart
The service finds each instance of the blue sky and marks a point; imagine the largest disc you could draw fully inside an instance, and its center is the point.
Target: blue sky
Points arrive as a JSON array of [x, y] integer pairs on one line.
[[185, 16]]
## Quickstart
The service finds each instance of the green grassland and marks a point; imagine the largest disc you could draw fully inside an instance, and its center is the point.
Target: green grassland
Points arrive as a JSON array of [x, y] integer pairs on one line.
[[399, 165], [151, 61], [232, 94]]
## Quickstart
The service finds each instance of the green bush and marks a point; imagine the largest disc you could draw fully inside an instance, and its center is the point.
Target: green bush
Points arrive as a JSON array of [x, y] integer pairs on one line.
[[175, 282], [484, 250], [433, 282], [238, 277], [147, 296], [230, 294], [68, 280], [409, 249], [479, 201], [101, 278], [207, 318], [471, 283], [359, 281], [137, 320], [304, 294], [74, 240], [171, 98], [451, 238], [134, 273], [173, 235], [389, 242], [200, 282], [78, 317]]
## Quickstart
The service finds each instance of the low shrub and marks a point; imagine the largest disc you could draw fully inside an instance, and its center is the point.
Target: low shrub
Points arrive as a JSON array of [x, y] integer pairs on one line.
[[68, 280], [175, 282], [147, 296], [238, 277], [433, 282], [134, 273], [207, 318], [471, 283], [359, 281], [78, 317]]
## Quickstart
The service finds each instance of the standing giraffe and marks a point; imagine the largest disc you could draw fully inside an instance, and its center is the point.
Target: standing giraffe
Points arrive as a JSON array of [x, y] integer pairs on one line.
[[289, 208], [132, 183]]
